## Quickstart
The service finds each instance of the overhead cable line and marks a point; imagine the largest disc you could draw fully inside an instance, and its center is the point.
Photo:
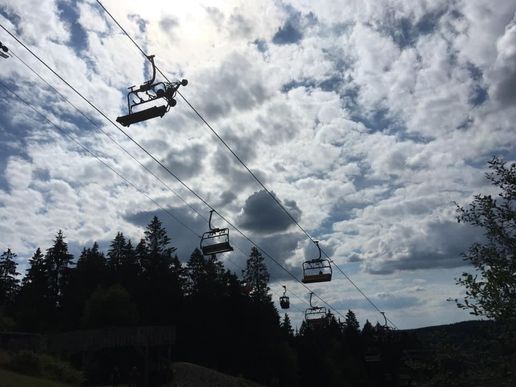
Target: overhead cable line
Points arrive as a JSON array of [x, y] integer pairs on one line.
[[276, 200], [166, 168], [127, 181], [97, 157], [109, 136]]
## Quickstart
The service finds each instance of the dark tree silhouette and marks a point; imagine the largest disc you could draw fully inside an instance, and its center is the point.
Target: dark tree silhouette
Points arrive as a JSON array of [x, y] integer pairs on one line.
[[34, 307], [57, 261], [256, 277], [109, 307], [491, 288], [9, 282], [352, 325], [90, 272]]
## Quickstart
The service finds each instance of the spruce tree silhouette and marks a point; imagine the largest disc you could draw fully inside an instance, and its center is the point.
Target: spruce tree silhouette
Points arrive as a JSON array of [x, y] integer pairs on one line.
[[9, 282]]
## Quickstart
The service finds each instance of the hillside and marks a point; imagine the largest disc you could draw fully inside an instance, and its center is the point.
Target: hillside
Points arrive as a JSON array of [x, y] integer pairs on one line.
[[469, 353], [192, 375]]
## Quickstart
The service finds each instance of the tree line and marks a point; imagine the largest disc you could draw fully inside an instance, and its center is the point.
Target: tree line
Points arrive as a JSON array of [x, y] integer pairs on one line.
[[223, 321]]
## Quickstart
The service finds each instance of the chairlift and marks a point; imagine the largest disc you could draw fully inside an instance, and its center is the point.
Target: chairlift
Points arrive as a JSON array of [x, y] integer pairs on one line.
[[315, 315], [3, 51], [284, 300], [317, 270], [140, 101], [216, 240]]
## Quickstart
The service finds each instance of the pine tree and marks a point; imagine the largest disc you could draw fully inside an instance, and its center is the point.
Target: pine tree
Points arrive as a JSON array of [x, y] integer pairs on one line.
[[352, 324], [34, 309], [256, 277], [58, 261], [36, 275], [159, 250], [286, 327], [116, 253], [9, 283]]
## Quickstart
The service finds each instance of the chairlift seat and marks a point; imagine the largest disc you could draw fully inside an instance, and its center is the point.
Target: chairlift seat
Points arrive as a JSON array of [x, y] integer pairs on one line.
[[317, 270], [315, 316], [216, 241], [143, 115]]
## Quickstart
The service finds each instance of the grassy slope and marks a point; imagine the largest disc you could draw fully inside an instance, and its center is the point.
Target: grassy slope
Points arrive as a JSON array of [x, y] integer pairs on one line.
[[191, 375], [13, 379]]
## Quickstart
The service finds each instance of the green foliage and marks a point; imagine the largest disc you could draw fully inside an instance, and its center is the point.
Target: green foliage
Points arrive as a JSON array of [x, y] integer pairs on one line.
[[43, 365], [491, 289], [109, 307]]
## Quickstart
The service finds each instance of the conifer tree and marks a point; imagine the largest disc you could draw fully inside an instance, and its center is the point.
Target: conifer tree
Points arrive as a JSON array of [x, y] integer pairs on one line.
[[9, 283], [286, 326], [256, 277], [34, 309], [116, 253], [57, 260], [352, 324], [36, 276]]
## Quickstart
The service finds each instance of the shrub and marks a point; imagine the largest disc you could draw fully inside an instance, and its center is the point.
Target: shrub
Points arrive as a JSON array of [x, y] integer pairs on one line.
[[43, 365]]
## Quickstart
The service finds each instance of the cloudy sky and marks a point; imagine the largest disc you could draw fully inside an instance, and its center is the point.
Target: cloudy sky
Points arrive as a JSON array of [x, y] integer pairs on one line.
[[367, 119]]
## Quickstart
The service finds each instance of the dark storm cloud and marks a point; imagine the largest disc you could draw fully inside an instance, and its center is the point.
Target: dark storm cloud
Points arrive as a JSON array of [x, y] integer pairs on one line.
[[281, 247], [236, 84], [263, 215], [181, 238], [442, 247], [186, 162], [234, 175], [287, 34]]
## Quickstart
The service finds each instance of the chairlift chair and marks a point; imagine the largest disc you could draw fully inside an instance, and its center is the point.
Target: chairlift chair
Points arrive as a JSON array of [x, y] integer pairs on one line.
[[216, 240], [3, 51], [315, 315], [161, 93], [317, 270], [284, 300]]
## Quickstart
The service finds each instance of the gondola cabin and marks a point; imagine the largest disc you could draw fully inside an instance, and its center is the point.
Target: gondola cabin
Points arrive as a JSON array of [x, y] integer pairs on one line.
[[284, 300]]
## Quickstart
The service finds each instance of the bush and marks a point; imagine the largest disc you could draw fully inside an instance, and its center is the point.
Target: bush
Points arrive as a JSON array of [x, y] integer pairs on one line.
[[46, 366]]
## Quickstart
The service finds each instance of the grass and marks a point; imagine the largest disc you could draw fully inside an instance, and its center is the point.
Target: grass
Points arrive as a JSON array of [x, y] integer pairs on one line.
[[13, 379]]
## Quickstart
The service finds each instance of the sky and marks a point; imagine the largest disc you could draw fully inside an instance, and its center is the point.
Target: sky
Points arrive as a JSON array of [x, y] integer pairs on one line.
[[367, 119]]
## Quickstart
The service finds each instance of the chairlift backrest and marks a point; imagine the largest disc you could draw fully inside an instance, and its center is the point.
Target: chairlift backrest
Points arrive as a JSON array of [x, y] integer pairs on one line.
[[160, 96], [317, 270], [216, 240]]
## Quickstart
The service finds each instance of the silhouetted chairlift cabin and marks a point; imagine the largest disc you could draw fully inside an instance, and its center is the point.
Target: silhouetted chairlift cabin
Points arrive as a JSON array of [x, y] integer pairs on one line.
[[315, 315], [284, 300], [317, 270], [216, 240], [161, 93], [3, 51]]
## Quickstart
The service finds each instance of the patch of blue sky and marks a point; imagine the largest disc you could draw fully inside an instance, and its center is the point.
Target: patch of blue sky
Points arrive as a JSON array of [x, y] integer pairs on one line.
[[70, 14]]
